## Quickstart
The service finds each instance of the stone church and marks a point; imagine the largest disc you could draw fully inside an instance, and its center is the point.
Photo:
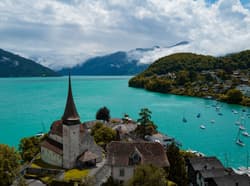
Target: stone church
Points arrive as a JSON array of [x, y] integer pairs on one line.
[[69, 143]]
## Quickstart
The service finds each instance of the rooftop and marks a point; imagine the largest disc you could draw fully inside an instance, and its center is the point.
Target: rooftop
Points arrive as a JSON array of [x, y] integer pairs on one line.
[[57, 129], [232, 180], [119, 153], [53, 146], [205, 163]]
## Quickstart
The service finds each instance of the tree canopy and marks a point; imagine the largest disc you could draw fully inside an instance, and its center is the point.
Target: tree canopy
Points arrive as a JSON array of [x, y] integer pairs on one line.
[[234, 96], [146, 125], [177, 172], [103, 134], [148, 175], [29, 147], [9, 164], [103, 114]]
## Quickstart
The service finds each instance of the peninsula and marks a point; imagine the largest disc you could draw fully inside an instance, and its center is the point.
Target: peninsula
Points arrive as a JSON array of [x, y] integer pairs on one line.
[[223, 78]]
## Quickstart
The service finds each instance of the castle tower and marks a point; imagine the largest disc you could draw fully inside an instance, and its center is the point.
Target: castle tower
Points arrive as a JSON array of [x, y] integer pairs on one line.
[[71, 131]]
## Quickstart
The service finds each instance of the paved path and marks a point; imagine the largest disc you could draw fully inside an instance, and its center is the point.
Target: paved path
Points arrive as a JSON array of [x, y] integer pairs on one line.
[[101, 173]]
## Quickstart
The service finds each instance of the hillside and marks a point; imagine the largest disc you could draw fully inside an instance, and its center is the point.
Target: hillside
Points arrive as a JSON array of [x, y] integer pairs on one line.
[[12, 65], [113, 64], [122, 62], [198, 75]]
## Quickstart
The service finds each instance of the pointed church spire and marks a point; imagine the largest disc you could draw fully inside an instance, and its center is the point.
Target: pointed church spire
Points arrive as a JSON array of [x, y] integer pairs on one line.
[[70, 116]]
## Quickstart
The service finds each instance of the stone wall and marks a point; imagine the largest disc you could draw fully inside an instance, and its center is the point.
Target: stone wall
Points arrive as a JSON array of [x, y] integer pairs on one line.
[[71, 144], [51, 157]]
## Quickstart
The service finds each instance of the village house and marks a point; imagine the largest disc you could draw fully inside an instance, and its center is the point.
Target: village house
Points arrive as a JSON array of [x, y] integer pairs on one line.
[[245, 89], [209, 171], [69, 143], [123, 157]]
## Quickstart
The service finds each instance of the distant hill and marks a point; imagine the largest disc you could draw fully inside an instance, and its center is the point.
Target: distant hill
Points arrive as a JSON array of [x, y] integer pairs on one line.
[[12, 65], [113, 64], [118, 63], [198, 75]]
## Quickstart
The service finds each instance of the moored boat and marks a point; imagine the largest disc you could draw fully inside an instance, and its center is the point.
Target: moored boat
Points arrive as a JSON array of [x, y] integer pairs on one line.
[[202, 126]]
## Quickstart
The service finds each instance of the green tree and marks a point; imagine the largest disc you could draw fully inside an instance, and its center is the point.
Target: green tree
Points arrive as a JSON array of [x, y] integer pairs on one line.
[[103, 134], [29, 147], [145, 116], [147, 175], [234, 96], [9, 164], [103, 114], [182, 77], [146, 125], [177, 172]]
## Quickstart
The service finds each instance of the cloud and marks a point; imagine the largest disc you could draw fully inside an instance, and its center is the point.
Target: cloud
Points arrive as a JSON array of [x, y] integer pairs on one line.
[[66, 32]]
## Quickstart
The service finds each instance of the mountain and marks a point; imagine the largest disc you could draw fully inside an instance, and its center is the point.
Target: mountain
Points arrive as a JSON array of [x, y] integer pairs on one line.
[[112, 64], [198, 75], [121, 62], [12, 65]]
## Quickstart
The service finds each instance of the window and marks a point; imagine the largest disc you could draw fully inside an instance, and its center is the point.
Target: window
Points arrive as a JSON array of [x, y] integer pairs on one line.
[[122, 172]]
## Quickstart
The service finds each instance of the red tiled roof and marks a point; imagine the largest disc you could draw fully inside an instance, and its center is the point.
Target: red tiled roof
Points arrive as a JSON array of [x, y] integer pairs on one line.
[[53, 146], [152, 153], [57, 128]]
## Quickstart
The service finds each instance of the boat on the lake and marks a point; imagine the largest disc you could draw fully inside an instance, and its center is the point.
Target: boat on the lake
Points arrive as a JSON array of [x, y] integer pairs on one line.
[[39, 134], [238, 140], [235, 111], [198, 115], [202, 126], [241, 127], [212, 121], [197, 153], [245, 133], [237, 122], [184, 120]]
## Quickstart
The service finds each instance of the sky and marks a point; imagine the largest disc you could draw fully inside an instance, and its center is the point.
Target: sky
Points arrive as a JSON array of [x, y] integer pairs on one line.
[[62, 33]]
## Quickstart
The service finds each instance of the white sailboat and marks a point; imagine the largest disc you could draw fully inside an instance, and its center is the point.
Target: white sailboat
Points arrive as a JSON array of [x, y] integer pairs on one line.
[[241, 127], [245, 133], [202, 126], [238, 140]]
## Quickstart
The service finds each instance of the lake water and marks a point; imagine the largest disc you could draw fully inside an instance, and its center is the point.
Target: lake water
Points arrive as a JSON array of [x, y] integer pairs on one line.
[[28, 104]]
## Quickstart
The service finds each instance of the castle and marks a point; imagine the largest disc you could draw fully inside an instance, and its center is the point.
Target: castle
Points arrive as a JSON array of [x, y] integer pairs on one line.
[[69, 143]]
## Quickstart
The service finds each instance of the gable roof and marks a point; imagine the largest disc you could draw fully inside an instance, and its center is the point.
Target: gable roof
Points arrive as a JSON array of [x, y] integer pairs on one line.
[[232, 180], [152, 153], [53, 146], [57, 128], [87, 156], [205, 163], [213, 173]]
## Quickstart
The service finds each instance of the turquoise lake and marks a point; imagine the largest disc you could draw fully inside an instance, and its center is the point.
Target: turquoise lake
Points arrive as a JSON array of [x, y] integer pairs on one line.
[[28, 104]]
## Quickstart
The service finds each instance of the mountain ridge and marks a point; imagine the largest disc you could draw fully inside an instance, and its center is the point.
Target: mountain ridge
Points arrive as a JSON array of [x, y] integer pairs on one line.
[[13, 65], [117, 63]]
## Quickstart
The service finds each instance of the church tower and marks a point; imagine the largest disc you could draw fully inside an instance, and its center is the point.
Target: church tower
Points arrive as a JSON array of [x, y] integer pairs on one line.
[[71, 131]]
